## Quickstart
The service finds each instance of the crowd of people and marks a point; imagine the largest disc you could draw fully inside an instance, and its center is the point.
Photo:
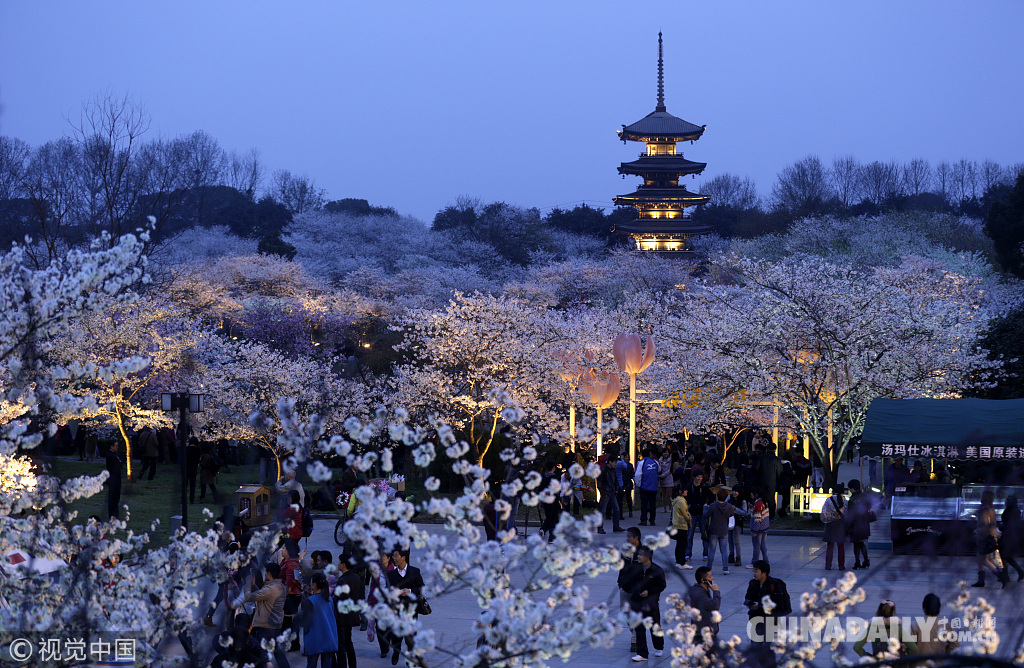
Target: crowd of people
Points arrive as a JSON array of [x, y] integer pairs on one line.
[[698, 499], [315, 598]]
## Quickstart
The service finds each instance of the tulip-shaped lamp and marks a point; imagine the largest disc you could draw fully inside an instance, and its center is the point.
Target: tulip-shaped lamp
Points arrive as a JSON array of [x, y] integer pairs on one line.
[[570, 373], [632, 360], [602, 390]]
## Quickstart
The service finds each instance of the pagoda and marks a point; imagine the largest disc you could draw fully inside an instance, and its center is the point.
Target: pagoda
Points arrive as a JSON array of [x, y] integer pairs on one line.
[[662, 224]]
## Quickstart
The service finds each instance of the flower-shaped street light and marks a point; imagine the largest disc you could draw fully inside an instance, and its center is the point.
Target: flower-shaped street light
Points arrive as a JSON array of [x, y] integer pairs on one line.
[[571, 371], [602, 389], [628, 356]]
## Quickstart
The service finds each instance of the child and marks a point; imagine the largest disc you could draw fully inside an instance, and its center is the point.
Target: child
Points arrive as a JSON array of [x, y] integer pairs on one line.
[[759, 524]]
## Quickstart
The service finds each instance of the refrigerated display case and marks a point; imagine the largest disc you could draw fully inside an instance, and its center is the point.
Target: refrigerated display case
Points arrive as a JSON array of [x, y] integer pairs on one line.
[[941, 519], [928, 519], [971, 498]]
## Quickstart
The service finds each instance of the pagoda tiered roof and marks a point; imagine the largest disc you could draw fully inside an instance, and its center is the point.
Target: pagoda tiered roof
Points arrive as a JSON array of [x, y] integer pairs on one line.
[[662, 164], [661, 126], [677, 195]]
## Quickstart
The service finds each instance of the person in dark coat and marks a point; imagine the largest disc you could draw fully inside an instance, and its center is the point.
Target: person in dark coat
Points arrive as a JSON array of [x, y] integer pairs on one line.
[[698, 495], [769, 471], [1009, 541], [629, 573], [346, 657], [114, 465], [896, 474], [644, 598], [150, 451], [705, 596], [208, 468], [409, 583], [833, 514], [553, 510], [350, 479], [237, 646], [192, 458], [859, 517], [801, 469], [775, 589]]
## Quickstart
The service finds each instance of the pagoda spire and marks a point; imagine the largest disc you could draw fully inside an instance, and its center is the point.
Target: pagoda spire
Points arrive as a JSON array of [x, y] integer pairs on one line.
[[661, 79]]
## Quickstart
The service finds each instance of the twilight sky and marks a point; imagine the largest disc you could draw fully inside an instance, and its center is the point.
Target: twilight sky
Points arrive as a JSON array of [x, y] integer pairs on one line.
[[411, 104]]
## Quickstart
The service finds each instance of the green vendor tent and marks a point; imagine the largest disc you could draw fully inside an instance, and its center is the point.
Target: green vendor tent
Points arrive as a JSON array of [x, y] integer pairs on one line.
[[959, 429]]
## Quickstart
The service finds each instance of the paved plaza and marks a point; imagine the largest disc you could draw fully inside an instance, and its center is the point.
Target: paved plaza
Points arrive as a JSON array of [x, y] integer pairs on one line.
[[799, 560]]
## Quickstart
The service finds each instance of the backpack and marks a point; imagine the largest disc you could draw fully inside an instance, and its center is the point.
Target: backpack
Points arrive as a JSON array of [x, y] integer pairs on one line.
[[829, 512], [307, 523], [780, 595]]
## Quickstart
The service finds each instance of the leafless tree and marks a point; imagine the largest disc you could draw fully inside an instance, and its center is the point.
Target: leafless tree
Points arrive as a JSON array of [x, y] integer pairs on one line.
[[917, 176], [964, 180], [991, 175], [243, 172], [944, 180], [203, 158], [14, 158], [109, 131], [52, 183], [731, 190], [802, 186], [298, 193], [880, 181], [844, 177]]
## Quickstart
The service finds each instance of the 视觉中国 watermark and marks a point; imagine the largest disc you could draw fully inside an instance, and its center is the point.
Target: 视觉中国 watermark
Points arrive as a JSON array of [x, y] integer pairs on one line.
[[877, 629]]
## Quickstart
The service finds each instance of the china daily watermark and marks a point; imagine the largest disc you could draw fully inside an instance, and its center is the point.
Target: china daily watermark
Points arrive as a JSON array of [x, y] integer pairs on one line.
[[876, 629]]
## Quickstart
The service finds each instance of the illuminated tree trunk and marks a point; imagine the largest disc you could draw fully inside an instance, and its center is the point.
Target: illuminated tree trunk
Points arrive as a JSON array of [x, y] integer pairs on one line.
[[127, 440]]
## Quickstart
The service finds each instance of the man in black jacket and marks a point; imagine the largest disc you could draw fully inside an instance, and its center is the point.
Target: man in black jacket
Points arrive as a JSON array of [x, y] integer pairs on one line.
[[628, 574], [607, 484], [409, 583], [346, 657], [645, 594], [770, 470], [775, 589], [704, 596], [698, 495]]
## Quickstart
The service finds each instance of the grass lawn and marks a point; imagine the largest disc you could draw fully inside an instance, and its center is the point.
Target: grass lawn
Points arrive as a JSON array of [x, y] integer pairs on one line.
[[159, 498]]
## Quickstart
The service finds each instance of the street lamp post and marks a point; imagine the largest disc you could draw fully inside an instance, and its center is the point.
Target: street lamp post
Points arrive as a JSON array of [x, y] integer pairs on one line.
[[571, 372], [184, 403], [629, 358], [602, 390]]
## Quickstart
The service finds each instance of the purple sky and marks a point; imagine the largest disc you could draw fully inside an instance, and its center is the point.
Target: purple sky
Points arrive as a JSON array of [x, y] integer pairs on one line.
[[411, 104]]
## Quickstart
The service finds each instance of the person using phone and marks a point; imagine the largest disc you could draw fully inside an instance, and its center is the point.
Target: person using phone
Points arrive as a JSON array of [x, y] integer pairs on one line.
[[705, 596]]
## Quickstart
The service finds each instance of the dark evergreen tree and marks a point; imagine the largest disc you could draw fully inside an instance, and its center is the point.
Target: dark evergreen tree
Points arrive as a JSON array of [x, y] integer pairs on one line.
[[1004, 339], [358, 207], [1004, 224]]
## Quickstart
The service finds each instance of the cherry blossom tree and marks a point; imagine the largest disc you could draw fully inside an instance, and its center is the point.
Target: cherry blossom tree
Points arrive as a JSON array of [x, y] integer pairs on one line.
[[145, 329], [247, 377], [535, 602], [85, 597], [477, 343], [824, 339]]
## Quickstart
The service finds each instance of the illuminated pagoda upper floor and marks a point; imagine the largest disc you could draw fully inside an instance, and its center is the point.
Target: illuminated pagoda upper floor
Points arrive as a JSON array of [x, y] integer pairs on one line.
[[662, 224]]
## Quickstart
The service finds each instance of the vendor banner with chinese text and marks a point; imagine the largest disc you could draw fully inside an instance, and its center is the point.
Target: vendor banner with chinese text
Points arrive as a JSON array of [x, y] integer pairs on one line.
[[957, 429]]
